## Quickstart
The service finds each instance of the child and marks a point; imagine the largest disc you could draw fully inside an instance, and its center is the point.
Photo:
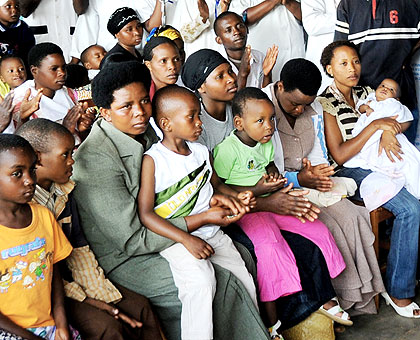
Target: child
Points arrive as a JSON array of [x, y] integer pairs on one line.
[[46, 96], [245, 160], [384, 102], [31, 244], [15, 35], [12, 73], [91, 58], [211, 77], [162, 58], [251, 67], [187, 191], [124, 24], [97, 308]]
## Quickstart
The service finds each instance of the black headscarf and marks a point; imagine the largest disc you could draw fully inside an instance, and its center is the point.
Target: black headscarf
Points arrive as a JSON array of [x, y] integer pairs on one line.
[[121, 17], [198, 67]]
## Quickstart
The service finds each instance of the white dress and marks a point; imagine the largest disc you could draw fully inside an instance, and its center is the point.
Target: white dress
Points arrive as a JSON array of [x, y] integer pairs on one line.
[[278, 27], [388, 177], [318, 18]]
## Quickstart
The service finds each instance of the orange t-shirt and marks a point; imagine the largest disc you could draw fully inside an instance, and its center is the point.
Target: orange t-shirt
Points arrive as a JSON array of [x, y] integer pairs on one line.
[[26, 268]]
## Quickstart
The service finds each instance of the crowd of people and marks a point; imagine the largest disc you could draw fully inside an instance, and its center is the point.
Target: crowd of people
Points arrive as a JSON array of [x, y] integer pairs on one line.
[[183, 169]]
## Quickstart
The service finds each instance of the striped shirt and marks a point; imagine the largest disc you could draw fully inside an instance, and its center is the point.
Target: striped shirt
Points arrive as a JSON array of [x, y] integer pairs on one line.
[[334, 103], [385, 32]]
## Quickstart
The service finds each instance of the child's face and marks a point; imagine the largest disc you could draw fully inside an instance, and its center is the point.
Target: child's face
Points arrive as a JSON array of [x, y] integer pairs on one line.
[[131, 109], [56, 165], [165, 65], [51, 73], [387, 89], [257, 121], [13, 72], [183, 121], [94, 57], [232, 33], [131, 34], [9, 13], [17, 176], [220, 85]]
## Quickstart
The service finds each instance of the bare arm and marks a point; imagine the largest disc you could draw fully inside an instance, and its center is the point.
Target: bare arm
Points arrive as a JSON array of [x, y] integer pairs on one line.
[[80, 6], [341, 150], [256, 13], [27, 7], [155, 19], [9, 326]]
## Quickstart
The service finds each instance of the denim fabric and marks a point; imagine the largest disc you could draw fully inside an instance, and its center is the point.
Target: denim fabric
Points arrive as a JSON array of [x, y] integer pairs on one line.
[[402, 258]]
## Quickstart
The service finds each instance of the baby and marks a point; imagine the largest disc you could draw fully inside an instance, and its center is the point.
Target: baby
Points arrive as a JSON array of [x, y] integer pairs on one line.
[[91, 58], [382, 103]]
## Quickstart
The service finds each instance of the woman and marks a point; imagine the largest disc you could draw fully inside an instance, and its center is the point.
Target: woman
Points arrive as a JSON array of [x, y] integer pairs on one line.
[[296, 112], [341, 61], [107, 172]]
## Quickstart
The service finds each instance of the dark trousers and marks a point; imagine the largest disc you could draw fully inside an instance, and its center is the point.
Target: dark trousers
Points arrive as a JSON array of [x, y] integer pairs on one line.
[[96, 324]]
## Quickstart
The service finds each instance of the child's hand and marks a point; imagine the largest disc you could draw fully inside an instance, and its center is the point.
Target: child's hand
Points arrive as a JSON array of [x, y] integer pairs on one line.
[[369, 110], [247, 198], [228, 202], [6, 110], [270, 59], [222, 216], [29, 106], [267, 184], [62, 333], [198, 247]]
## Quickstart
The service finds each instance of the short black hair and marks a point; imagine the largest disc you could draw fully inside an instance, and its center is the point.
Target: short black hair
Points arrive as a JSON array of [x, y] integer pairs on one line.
[[11, 56], [328, 52], [40, 51], [159, 103], [83, 55], [77, 76], [242, 96], [155, 42], [115, 76], [301, 74], [39, 132], [9, 142], [112, 58], [221, 16]]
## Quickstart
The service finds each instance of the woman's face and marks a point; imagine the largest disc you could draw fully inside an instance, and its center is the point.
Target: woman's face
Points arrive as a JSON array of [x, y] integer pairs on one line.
[[165, 65], [131, 109], [345, 67], [130, 35]]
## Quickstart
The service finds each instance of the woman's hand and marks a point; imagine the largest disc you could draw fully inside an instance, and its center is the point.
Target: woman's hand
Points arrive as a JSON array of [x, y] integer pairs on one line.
[[199, 248], [389, 143], [315, 177], [388, 124]]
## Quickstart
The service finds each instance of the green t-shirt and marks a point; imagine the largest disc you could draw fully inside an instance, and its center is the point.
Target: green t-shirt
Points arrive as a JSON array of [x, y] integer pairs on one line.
[[240, 164]]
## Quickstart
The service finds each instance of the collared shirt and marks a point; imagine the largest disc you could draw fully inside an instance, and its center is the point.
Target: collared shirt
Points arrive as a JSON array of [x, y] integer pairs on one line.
[[256, 73], [87, 279]]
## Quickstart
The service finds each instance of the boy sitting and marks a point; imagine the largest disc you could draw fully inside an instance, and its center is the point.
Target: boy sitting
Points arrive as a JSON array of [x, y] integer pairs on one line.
[[31, 244], [251, 67], [187, 191], [12, 73], [15, 35], [96, 307]]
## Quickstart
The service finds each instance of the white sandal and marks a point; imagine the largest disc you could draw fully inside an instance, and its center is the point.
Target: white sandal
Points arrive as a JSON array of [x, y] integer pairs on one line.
[[331, 313], [406, 311], [273, 331]]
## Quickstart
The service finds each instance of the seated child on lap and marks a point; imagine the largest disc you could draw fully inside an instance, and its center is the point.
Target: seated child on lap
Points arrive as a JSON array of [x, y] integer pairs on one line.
[[177, 180]]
